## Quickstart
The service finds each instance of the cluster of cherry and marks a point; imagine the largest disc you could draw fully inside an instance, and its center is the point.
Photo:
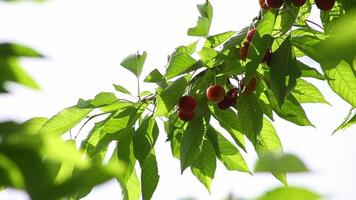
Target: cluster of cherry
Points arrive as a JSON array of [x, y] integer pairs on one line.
[[325, 5]]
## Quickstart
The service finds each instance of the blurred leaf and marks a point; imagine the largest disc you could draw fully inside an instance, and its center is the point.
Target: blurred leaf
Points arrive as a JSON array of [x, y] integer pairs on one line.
[[226, 152], [306, 92], [279, 163], [204, 21], [149, 176], [10, 174], [250, 116], [168, 98], [204, 166], [178, 64], [134, 63], [64, 120], [18, 50], [103, 99], [290, 193], [349, 121], [121, 89], [192, 142]]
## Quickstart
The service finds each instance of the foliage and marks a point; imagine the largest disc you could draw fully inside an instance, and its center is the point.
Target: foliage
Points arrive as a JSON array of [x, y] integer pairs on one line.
[[29, 162]]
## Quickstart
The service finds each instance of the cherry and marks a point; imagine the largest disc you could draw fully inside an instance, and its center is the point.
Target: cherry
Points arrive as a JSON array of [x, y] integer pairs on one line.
[[244, 50], [185, 116], [298, 2], [225, 103], [263, 4], [274, 3], [325, 5], [232, 94], [251, 86], [250, 34], [187, 104], [215, 93], [267, 57]]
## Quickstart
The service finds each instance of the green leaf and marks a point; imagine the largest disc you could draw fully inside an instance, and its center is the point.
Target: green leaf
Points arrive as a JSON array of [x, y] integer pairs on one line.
[[216, 40], [291, 109], [342, 81], [154, 77], [229, 120], [10, 174], [283, 71], [205, 165], [192, 142], [134, 63], [121, 89], [290, 193], [280, 163], [261, 41], [174, 129], [269, 142], [304, 13], [64, 120], [250, 116], [236, 39], [309, 71], [349, 121], [286, 18], [131, 188], [204, 21], [145, 138], [226, 152], [306, 92], [103, 99], [208, 55], [18, 50], [168, 98], [149, 176], [178, 64]]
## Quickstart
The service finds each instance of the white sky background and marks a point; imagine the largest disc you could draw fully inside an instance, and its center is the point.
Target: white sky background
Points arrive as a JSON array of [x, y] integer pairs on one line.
[[85, 40]]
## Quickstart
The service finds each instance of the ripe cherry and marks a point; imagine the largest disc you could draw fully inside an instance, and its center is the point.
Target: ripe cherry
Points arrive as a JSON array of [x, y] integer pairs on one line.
[[187, 104], [225, 103], [215, 93], [185, 116], [274, 3], [263, 4], [244, 50], [298, 2], [325, 5], [250, 34], [232, 94], [251, 86], [267, 57]]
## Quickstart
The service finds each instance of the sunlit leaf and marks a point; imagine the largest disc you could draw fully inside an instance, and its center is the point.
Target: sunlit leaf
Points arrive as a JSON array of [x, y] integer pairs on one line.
[[134, 63], [204, 21], [279, 163]]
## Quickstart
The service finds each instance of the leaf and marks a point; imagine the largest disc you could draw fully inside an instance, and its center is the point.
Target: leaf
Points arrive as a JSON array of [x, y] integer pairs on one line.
[[103, 99], [192, 142], [131, 189], [134, 63], [309, 71], [342, 81], [349, 121], [250, 116], [304, 13], [286, 18], [149, 176], [216, 40], [178, 64], [229, 120], [154, 77], [306, 92], [283, 71], [290, 193], [207, 56], [291, 109], [121, 89], [64, 120], [190, 49], [168, 98], [204, 21], [18, 50], [205, 165], [261, 41], [280, 163], [145, 138], [10, 174], [226, 152]]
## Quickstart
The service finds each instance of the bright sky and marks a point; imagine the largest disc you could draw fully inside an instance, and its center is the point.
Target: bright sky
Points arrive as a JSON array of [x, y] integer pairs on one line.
[[85, 40]]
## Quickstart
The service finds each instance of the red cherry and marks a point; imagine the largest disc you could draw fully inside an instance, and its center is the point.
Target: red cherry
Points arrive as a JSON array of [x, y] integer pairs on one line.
[[263, 5], [244, 51], [185, 116], [250, 34], [251, 86], [225, 103], [267, 57], [232, 94], [325, 5], [298, 2], [187, 104], [274, 3], [215, 93]]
